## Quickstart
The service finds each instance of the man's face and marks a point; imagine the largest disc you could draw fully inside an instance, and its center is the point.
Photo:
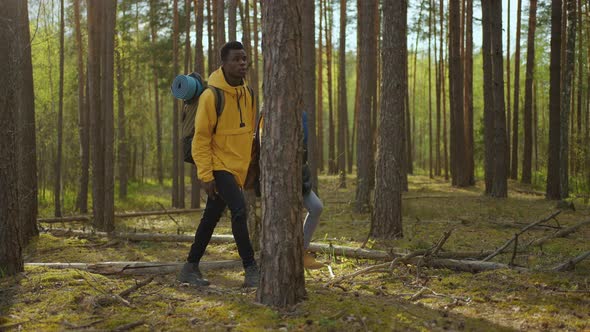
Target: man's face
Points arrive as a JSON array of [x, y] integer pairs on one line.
[[236, 64]]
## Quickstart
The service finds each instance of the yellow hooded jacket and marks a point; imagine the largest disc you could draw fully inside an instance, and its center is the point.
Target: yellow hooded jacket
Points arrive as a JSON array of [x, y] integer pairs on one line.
[[229, 148]]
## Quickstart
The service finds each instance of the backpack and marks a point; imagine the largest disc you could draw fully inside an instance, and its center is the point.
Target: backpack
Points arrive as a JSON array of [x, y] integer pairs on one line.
[[189, 113]]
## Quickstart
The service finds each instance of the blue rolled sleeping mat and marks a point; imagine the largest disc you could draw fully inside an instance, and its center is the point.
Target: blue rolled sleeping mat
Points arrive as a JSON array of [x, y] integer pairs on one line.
[[185, 87]]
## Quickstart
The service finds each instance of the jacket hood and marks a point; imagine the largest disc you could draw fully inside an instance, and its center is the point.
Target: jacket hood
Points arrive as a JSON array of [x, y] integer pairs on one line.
[[217, 79]]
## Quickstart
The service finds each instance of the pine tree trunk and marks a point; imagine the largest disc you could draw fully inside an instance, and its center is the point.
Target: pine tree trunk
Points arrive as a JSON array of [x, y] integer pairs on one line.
[[468, 89], [566, 98], [508, 73], [255, 80], [101, 33], [460, 176], [11, 261], [443, 92], [219, 11], [26, 153], [342, 108], [282, 234], [320, 99], [83, 118], [516, 110], [553, 174], [199, 56], [499, 184], [175, 118], [211, 62], [386, 221], [430, 165], [331, 126], [308, 71], [528, 95], [60, 112], [232, 7], [488, 116], [121, 135], [364, 135], [154, 37]]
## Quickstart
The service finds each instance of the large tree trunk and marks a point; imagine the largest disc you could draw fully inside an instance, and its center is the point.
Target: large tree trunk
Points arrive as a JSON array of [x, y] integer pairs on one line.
[[387, 218], [459, 173], [566, 98], [60, 116], [11, 261], [528, 95], [282, 232], [308, 71], [342, 107], [83, 117], [101, 32], [499, 184], [27, 156], [553, 187], [516, 110], [175, 118], [364, 137]]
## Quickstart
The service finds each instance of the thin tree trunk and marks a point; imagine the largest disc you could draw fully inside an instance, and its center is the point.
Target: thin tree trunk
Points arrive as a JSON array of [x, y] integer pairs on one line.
[[175, 118], [553, 173], [430, 166], [58, 159], [320, 100], [508, 90], [437, 84], [331, 127], [232, 6], [211, 62], [566, 97], [255, 80], [342, 107], [516, 111], [154, 37], [499, 185], [528, 95], [122, 137], [468, 89], [219, 10]]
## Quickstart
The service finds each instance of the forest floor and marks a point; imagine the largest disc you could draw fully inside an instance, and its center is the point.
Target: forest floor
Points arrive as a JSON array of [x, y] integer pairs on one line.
[[406, 299]]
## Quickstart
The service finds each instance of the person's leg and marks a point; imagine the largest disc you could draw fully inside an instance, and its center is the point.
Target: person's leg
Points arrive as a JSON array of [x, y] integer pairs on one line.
[[213, 210], [190, 272], [231, 193], [314, 207], [314, 210]]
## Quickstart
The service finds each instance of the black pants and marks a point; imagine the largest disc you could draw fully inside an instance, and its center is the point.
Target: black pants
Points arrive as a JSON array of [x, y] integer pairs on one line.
[[229, 194]]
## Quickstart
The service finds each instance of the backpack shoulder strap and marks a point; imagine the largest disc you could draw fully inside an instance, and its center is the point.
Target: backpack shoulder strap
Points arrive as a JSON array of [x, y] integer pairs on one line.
[[219, 103], [251, 95]]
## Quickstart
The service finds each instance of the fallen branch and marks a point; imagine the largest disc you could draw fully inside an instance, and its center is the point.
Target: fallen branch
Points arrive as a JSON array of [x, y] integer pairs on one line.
[[337, 250], [562, 233], [129, 326], [502, 248], [569, 265], [87, 218], [135, 287], [529, 192], [138, 268]]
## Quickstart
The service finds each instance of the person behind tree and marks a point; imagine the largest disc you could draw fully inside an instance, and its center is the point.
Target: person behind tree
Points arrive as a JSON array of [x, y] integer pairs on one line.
[[221, 150], [312, 204]]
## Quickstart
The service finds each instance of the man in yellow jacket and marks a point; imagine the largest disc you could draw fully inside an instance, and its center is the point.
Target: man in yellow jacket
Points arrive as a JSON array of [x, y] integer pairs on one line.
[[221, 150]]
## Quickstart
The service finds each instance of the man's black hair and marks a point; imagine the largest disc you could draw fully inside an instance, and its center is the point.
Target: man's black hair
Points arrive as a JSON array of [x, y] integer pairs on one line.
[[233, 45]]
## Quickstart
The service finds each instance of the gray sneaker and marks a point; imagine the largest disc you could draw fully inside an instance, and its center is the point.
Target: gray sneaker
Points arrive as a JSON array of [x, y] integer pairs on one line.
[[252, 276], [191, 274]]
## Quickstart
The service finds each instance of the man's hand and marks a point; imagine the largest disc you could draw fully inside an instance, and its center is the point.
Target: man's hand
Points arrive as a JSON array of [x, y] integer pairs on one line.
[[210, 189]]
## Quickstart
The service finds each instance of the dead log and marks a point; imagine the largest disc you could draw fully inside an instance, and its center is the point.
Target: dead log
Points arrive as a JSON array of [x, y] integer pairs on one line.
[[87, 218], [562, 233], [139, 268], [569, 265]]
